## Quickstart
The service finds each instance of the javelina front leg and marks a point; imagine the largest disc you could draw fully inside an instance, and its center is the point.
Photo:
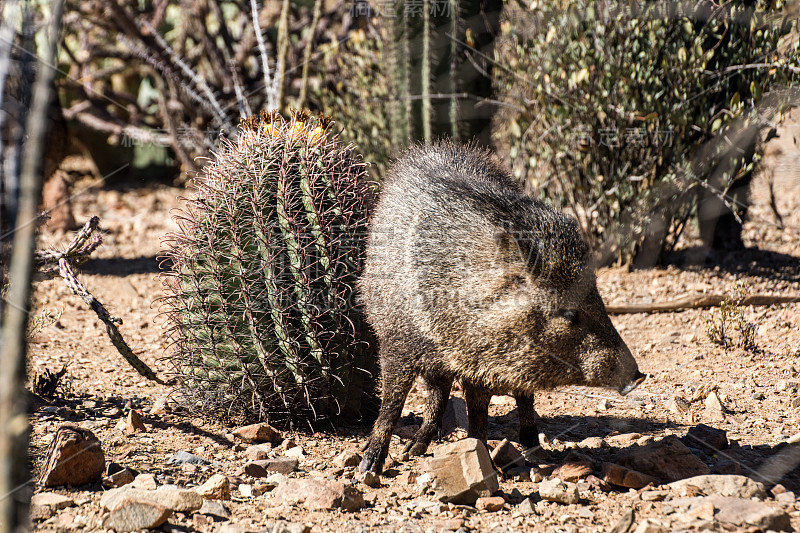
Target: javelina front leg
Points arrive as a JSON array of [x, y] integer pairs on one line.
[[438, 389], [528, 433], [477, 399], [396, 384]]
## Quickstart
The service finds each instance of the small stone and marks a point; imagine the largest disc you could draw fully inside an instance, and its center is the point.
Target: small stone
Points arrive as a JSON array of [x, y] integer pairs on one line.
[[625, 477], [734, 486], [624, 440], [133, 515], [319, 494], [714, 409], [409, 477], [73, 458], [258, 452], [602, 405], [120, 478], [758, 396], [45, 504], [449, 524], [217, 487], [161, 406], [678, 405], [777, 489], [555, 490], [741, 512], [145, 481], [215, 508], [648, 525], [490, 504], [369, 479], [653, 495], [463, 472], [261, 432], [178, 500], [786, 498], [506, 456], [592, 443], [183, 457], [246, 490], [705, 438], [624, 523], [526, 507], [133, 423], [666, 460], [296, 451], [263, 468], [347, 459], [598, 484], [455, 416], [573, 471], [520, 473]]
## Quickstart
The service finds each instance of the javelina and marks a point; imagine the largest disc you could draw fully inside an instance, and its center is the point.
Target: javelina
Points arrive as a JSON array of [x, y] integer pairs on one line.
[[466, 278]]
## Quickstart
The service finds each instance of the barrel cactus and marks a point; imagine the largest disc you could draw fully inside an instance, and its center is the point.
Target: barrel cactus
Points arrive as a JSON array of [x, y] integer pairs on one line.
[[260, 293]]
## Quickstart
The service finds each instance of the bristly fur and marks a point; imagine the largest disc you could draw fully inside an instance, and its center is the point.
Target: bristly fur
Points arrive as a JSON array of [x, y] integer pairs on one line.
[[466, 278]]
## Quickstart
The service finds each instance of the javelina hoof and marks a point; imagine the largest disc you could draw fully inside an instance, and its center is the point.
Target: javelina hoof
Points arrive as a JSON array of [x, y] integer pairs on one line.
[[529, 437], [416, 447], [372, 461]]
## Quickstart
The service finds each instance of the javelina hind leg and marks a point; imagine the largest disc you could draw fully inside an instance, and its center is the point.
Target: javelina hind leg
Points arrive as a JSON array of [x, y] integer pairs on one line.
[[396, 383], [438, 389], [528, 433], [477, 399]]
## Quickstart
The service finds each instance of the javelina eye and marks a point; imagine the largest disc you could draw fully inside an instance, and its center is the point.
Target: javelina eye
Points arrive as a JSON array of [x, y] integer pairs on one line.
[[570, 315]]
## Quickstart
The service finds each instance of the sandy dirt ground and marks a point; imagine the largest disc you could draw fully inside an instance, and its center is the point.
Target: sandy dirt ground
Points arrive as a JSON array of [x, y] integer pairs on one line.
[[759, 389]]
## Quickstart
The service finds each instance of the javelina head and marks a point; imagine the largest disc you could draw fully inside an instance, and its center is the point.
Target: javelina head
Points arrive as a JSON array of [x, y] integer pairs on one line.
[[552, 302]]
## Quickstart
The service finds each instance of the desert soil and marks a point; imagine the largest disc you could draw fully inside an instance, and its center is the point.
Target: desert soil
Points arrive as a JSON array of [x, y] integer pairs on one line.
[[758, 388]]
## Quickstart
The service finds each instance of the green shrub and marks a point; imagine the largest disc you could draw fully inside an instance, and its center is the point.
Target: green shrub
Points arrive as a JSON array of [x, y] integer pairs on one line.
[[631, 114]]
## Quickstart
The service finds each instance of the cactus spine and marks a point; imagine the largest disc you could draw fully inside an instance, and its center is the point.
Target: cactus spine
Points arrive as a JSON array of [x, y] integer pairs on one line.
[[260, 297]]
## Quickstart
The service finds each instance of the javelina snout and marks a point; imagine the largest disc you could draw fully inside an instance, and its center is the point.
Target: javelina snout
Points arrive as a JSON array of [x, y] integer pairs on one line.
[[466, 278]]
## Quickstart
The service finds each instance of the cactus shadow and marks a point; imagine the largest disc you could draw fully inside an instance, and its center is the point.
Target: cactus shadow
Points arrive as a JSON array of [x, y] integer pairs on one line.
[[751, 261]]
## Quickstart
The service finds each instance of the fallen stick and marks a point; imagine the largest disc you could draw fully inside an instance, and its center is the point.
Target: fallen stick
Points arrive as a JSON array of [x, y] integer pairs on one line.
[[700, 301]]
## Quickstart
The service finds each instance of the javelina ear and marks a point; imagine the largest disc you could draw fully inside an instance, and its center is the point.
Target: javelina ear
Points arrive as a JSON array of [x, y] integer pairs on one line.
[[510, 253]]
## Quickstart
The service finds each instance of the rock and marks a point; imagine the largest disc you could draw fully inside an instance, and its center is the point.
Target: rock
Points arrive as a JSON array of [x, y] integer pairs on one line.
[[648, 525], [526, 507], [449, 524], [119, 478], [73, 458], [370, 479], [624, 523], [506, 456], [257, 433], [258, 452], [727, 466], [45, 504], [624, 440], [145, 481], [490, 504], [678, 405], [316, 494], [217, 487], [654, 495], [132, 515], [591, 443], [555, 490], [263, 468], [734, 486], [741, 512], [178, 500], [573, 471], [455, 416], [787, 498], [597, 483], [706, 439], [346, 459], [625, 477], [296, 452], [409, 477], [758, 396], [777, 489], [215, 508], [666, 460], [133, 423], [182, 457], [463, 472]]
